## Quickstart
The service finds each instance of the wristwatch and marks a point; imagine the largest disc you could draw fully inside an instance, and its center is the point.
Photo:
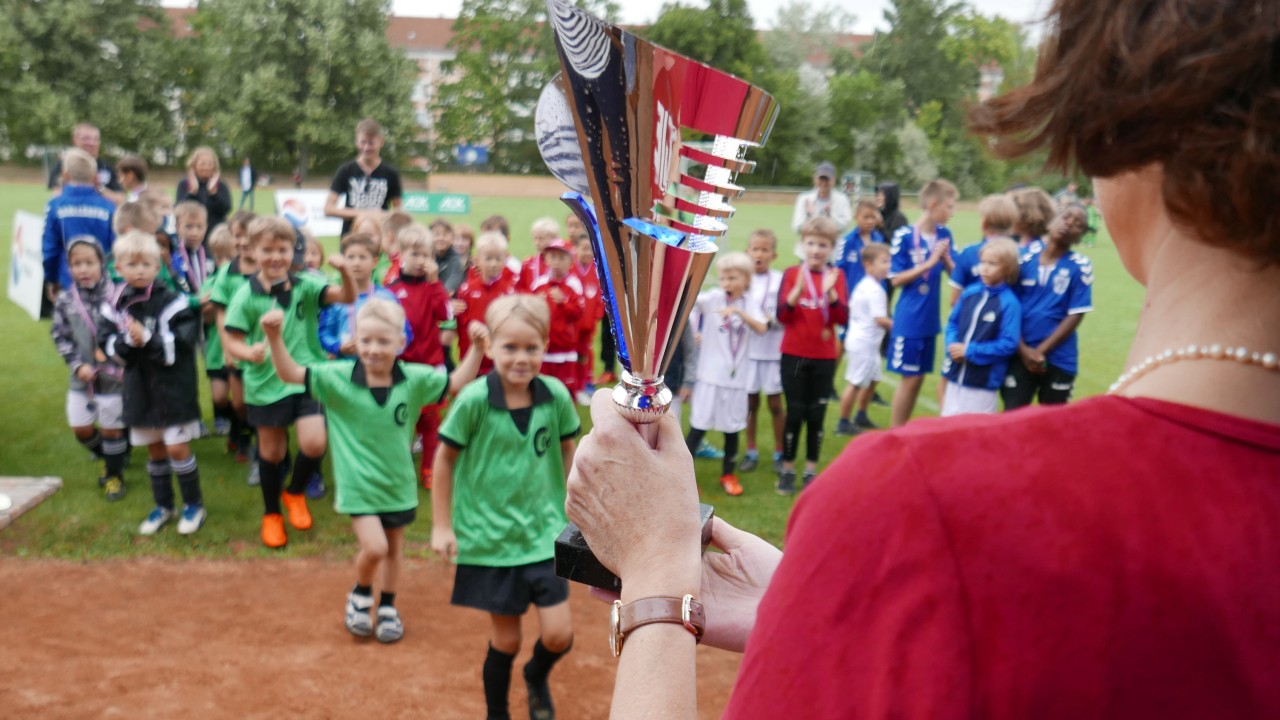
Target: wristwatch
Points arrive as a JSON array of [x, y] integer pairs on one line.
[[684, 611]]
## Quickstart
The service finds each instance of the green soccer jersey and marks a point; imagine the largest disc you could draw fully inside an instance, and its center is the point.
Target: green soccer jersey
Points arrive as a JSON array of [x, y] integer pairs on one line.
[[371, 440], [214, 359], [508, 484], [301, 304]]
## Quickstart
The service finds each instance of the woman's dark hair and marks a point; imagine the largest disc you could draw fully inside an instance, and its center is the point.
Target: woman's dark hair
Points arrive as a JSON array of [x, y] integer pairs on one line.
[[1192, 85]]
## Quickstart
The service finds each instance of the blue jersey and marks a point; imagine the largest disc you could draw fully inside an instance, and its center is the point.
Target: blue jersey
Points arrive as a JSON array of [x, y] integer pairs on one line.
[[848, 256], [338, 321], [988, 321], [1048, 295], [79, 210], [966, 269], [916, 314]]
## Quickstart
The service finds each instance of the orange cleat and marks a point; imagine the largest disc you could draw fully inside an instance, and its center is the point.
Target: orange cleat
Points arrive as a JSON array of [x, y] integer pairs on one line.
[[273, 535], [426, 478], [730, 484], [299, 514]]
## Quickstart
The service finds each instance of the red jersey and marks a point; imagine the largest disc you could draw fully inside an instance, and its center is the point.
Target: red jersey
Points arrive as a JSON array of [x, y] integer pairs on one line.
[[810, 327], [1114, 558], [426, 306], [393, 271], [593, 299], [532, 269], [565, 316], [478, 294]]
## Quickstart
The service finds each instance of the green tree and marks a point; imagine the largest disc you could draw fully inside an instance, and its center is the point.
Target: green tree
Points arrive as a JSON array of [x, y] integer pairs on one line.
[[914, 51], [66, 61], [721, 35], [287, 81]]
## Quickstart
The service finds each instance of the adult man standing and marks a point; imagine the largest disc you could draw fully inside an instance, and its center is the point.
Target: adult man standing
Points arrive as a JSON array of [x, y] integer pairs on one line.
[[248, 182], [823, 201], [88, 138]]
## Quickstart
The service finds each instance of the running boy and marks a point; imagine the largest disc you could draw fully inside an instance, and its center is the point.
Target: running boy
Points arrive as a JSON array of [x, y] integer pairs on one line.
[[154, 336], [507, 446], [720, 396], [563, 293], [369, 402], [814, 303], [430, 319], [80, 315], [1056, 290], [982, 333], [868, 323], [764, 349], [367, 182], [273, 405], [919, 255]]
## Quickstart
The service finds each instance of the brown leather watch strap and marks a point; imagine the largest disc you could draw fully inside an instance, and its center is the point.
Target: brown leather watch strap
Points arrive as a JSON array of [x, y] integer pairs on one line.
[[684, 611]]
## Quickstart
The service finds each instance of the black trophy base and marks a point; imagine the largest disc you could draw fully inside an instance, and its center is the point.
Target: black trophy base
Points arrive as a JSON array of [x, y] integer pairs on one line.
[[576, 562]]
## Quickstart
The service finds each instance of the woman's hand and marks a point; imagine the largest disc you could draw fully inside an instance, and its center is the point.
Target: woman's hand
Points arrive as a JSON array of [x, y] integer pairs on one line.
[[636, 505]]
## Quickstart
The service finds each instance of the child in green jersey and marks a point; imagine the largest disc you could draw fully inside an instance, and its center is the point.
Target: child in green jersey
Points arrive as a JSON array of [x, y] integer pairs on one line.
[[498, 449], [226, 282], [222, 248], [372, 404], [273, 405]]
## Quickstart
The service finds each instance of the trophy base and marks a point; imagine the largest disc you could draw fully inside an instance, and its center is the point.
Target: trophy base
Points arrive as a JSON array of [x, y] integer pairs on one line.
[[576, 562]]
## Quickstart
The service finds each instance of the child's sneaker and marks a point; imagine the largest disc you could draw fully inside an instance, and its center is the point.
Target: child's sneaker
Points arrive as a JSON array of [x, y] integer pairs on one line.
[[315, 487], [191, 520], [809, 476], [730, 484], [155, 521], [426, 478], [707, 451], [845, 427], [255, 474], [786, 482], [862, 422], [750, 461], [299, 513], [540, 705], [877, 400], [221, 427], [359, 621], [273, 535], [389, 629], [113, 487]]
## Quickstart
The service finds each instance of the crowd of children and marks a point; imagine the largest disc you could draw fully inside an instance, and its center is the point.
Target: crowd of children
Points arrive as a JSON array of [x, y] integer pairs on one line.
[[363, 363]]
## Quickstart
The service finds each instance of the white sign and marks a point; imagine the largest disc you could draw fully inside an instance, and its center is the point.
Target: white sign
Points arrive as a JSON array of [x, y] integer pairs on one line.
[[26, 262], [305, 208]]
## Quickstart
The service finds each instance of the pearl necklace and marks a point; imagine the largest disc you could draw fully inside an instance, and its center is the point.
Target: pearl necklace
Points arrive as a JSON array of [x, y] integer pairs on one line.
[[1242, 355]]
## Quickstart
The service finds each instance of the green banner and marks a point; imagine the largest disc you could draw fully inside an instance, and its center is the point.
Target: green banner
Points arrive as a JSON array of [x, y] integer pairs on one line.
[[437, 203]]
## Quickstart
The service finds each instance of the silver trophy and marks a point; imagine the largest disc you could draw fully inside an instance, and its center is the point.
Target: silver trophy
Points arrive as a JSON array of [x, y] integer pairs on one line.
[[630, 125]]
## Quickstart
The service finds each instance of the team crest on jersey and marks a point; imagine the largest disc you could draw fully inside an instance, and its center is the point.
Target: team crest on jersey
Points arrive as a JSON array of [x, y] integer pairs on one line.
[[1061, 281], [402, 414], [541, 441], [989, 317], [402, 293]]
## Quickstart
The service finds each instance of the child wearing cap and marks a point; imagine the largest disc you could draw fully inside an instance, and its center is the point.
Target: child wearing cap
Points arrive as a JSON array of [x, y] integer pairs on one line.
[[563, 292]]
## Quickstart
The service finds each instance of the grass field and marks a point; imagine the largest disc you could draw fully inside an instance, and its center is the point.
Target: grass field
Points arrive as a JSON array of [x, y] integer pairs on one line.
[[77, 523]]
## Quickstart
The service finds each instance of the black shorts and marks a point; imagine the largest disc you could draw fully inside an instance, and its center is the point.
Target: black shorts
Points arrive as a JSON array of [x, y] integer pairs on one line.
[[509, 590], [1021, 386], [283, 413], [219, 374], [393, 520], [233, 371]]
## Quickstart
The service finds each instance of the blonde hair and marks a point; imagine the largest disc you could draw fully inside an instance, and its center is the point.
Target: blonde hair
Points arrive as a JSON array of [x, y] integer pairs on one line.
[[221, 243], [1005, 251], [270, 228], [79, 166], [191, 207], [383, 311], [134, 216], [545, 226], [532, 310], [491, 239], [1035, 210], [416, 236], [136, 243], [872, 251], [152, 199], [735, 262], [202, 152], [357, 239], [937, 190], [999, 214], [823, 227]]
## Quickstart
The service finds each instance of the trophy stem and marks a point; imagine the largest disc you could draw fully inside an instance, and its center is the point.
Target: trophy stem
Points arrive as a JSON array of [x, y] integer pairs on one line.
[[641, 402]]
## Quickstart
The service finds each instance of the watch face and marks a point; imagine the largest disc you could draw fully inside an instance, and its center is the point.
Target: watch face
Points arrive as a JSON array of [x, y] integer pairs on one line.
[[615, 623]]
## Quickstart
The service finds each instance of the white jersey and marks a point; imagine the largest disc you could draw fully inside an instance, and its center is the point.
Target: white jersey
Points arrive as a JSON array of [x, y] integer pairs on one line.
[[762, 302], [867, 302], [722, 354]]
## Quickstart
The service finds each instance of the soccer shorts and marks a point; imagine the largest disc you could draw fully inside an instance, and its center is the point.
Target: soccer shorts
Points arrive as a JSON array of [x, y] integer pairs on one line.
[[283, 413], [911, 356], [171, 435], [104, 409], [764, 376], [509, 590]]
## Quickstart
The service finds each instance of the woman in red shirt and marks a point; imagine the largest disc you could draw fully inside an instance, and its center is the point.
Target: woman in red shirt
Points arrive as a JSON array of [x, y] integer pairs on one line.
[[1116, 557]]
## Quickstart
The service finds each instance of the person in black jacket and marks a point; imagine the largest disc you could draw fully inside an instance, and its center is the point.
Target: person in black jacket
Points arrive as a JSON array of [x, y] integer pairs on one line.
[[153, 333], [204, 184]]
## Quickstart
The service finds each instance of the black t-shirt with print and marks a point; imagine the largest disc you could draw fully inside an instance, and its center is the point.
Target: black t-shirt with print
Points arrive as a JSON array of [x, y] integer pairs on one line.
[[373, 191]]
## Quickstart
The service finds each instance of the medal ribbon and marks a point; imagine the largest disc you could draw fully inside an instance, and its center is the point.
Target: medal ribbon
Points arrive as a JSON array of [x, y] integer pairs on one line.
[[737, 338], [821, 298]]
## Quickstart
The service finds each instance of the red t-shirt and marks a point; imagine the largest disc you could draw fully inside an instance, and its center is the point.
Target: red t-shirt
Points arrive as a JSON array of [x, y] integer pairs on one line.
[[805, 324], [478, 295], [426, 305], [1114, 558], [532, 269], [593, 303], [565, 315]]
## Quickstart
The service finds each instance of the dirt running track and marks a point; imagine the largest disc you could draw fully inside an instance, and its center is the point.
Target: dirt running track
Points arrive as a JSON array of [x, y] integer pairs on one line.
[[264, 639]]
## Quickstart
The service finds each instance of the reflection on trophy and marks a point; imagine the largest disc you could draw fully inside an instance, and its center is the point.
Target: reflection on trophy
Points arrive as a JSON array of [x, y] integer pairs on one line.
[[629, 125]]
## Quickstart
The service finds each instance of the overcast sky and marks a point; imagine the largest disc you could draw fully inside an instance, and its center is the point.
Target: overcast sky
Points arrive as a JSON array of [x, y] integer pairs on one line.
[[869, 14]]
